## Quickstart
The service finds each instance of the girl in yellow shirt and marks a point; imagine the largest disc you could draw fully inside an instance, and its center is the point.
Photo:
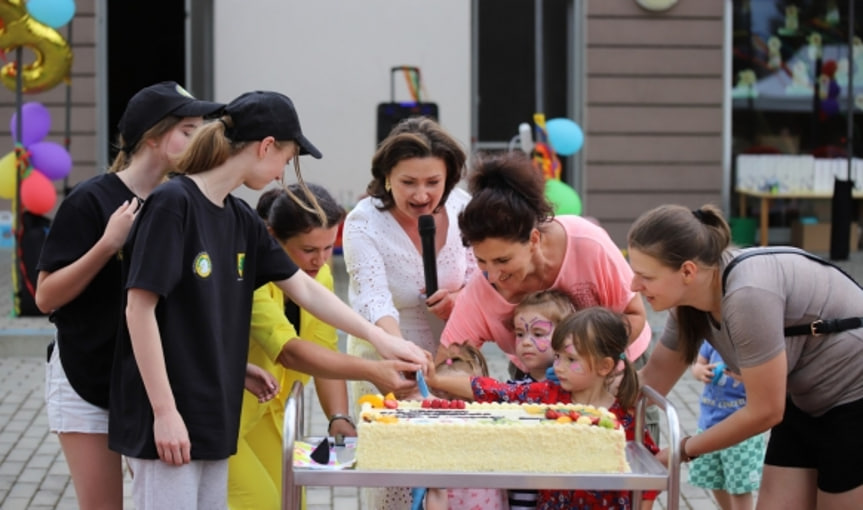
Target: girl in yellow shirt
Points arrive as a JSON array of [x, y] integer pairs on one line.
[[284, 337]]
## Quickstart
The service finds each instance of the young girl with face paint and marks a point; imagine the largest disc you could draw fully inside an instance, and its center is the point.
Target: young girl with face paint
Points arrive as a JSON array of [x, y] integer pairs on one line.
[[533, 322], [464, 360], [588, 345]]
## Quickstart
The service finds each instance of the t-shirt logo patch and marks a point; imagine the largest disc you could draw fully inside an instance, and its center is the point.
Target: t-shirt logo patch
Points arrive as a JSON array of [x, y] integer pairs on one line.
[[241, 264], [203, 266]]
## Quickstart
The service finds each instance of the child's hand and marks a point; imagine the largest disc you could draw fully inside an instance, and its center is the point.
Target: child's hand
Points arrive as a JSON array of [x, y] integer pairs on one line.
[[261, 383], [703, 372], [430, 374]]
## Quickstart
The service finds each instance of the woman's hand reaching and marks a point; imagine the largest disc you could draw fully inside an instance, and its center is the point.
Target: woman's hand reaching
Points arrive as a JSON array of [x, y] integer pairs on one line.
[[394, 347], [441, 303], [391, 376]]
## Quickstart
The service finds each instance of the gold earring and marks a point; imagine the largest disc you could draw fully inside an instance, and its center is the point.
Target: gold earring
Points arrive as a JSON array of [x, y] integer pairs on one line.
[[387, 186]]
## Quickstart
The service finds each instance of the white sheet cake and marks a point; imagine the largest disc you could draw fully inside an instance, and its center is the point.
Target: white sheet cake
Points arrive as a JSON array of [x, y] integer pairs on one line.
[[412, 436]]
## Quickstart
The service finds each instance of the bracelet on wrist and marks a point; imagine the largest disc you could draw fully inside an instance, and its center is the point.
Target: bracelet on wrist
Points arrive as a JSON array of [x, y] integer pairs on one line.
[[340, 416], [685, 457]]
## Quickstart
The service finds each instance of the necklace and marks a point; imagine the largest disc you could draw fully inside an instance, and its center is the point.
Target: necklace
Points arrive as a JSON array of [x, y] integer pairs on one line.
[[128, 183]]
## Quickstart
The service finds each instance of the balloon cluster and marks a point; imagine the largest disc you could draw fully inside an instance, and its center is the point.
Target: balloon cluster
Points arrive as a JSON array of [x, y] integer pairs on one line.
[[33, 26], [557, 136], [42, 161]]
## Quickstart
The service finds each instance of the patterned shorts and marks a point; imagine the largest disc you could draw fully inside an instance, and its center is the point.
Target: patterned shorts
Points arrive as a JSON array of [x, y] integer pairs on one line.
[[736, 470]]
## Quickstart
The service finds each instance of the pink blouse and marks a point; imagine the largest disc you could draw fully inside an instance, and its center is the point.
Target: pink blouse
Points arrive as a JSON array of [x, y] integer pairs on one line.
[[593, 273]]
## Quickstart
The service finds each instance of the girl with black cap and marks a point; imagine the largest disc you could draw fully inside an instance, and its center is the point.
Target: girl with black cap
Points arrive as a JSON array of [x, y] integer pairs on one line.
[[193, 260], [80, 283]]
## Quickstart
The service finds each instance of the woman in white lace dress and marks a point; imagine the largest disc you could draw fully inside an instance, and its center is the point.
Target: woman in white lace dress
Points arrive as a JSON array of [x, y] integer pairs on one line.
[[414, 172]]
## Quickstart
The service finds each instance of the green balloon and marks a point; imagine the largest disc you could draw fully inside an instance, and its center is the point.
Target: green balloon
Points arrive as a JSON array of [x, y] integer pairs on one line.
[[563, 198]]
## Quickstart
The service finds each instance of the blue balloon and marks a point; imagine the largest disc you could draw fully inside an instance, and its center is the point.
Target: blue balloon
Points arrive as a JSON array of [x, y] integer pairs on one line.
[[565, 136], [54, 13]]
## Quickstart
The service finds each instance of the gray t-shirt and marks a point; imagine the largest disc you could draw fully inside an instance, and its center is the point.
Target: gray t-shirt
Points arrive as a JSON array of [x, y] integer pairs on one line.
[[764, 294]]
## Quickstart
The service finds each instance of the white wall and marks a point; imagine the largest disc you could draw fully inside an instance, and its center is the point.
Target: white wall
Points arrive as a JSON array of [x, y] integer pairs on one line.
[[333, 59]]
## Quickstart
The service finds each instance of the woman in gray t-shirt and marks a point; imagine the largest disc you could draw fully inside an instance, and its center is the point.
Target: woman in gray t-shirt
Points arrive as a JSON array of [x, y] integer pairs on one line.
[[807, 389]]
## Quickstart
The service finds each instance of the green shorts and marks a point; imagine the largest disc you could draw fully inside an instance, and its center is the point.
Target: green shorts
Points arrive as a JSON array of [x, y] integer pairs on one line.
[[736, 470]]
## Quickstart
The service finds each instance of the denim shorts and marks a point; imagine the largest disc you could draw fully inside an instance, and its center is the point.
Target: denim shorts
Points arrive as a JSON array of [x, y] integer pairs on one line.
[[67, 411]]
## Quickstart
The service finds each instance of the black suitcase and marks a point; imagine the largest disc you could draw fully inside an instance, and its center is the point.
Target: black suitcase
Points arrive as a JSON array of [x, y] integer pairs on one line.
[[393, 112]]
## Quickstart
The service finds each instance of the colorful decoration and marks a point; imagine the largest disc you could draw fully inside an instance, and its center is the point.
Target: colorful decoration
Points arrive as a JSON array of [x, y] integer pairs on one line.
[[565, 136], [8, 175], [38, 162], [54, 13], [564, 199], [37, 193], [51, 159], [544, 157], [562, 136], [35, 124], [53, 56]]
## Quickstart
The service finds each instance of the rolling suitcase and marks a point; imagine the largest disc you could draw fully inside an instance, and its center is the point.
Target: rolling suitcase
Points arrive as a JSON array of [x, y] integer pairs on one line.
[[391, 113]]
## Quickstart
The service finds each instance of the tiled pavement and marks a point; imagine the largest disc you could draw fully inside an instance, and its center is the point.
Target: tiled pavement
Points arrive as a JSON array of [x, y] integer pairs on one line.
[[33, 473]]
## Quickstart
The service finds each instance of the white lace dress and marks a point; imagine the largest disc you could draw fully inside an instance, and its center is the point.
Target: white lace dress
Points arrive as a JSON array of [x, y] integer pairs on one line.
[[386, 279]]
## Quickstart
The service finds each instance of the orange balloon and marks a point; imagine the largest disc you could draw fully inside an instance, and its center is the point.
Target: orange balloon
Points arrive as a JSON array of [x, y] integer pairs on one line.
[[37, 193]]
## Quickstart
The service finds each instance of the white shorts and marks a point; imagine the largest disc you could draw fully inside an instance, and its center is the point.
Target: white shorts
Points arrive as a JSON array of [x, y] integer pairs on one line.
[[67, 411]]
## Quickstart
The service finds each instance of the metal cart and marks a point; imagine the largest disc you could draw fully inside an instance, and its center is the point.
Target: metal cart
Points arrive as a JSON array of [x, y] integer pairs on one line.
[[647, 473]]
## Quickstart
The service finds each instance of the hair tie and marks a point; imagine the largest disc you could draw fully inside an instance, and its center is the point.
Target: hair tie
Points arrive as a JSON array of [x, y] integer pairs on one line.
[[229, 132], [699, 215], [449, 361], [622, 356]]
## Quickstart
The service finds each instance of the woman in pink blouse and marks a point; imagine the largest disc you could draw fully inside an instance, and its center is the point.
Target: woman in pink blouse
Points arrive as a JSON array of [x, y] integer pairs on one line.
[[521, 247]]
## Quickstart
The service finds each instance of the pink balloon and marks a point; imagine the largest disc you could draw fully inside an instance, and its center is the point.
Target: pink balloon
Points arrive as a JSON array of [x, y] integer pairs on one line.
[[37, 193], [36, 122], [52, 159]]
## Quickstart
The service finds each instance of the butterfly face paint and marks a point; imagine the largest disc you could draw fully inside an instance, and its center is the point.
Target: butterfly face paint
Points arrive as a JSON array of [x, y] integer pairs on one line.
[[537, 330], [533, 343]]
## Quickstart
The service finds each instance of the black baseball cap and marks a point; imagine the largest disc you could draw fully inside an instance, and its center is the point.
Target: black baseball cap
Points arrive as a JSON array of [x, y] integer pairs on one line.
[[152, 104], [259, 114]]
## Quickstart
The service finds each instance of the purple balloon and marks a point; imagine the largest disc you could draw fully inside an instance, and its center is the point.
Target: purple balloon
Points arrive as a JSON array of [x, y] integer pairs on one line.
[[52, 159], [35, 123]]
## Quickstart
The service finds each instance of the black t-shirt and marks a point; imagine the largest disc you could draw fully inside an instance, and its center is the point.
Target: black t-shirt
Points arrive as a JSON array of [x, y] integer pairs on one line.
[[204, 262], [87, 325]]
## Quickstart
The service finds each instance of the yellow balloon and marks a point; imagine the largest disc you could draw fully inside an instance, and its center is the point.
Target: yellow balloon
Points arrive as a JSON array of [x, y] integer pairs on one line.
[[8, 175], [53, 56]]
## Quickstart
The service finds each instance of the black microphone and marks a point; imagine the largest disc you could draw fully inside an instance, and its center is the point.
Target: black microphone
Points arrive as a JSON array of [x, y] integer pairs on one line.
[[427, 234]]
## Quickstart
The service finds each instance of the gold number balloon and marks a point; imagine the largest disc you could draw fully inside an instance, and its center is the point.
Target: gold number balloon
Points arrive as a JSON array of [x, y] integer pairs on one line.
[[53, 57]]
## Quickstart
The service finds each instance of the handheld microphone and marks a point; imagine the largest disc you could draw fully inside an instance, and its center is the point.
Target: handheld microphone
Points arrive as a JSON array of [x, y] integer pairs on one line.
[[427, 235], [525, 138]]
